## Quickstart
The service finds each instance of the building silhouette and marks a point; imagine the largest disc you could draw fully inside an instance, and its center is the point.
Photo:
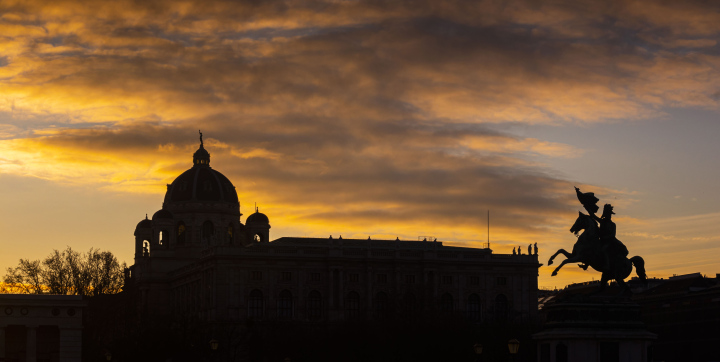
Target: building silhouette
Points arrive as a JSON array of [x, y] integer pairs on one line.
[[196, 263]]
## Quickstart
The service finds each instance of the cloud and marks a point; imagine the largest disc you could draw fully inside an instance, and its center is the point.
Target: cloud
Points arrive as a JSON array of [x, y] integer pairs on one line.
[[344, 114]]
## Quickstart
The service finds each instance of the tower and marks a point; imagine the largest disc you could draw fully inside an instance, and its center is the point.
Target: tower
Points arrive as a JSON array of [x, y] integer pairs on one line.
[[258, 227]]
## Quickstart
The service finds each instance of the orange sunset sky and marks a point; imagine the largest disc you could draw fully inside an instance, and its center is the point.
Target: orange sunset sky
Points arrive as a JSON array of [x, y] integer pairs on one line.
[[367, 118]]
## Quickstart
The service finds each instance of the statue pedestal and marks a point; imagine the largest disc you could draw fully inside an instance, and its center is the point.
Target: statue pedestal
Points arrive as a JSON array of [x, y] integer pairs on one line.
[[593, 329]]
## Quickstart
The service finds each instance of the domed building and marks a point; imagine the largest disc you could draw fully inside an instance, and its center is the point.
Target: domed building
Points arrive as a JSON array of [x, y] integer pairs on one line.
[[196, 261]]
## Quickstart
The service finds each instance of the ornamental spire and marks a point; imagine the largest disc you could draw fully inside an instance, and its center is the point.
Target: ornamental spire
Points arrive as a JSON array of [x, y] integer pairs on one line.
[[201, 156]]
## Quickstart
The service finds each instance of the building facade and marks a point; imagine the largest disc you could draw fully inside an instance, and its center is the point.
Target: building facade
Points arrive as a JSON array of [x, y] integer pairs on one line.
[[196, 260], [41, 327]]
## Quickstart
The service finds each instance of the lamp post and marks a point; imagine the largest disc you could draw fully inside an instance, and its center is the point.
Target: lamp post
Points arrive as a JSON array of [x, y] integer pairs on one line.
[[513, 346], [108, 356], [214, 344], [478, 351]]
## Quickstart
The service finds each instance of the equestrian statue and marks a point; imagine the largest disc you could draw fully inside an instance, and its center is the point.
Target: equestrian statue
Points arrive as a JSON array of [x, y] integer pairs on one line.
[[597, 246]]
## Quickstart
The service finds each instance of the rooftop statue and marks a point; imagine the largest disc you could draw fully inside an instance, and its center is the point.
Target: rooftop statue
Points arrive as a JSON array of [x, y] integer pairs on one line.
[[597, 246]]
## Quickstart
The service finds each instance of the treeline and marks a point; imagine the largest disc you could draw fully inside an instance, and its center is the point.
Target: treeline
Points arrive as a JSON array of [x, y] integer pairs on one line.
[[67, 272]]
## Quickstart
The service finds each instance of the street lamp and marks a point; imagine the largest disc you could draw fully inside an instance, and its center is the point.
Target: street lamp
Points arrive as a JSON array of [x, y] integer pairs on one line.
[[513, 346], [108, 356], [478, 350], [214, 344]]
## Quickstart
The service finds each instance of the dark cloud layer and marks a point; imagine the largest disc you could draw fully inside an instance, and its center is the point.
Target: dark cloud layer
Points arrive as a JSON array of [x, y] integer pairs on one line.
[[351, 111]]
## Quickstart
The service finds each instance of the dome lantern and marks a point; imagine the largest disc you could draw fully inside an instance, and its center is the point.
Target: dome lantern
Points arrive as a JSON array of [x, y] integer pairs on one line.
[[201, 157]]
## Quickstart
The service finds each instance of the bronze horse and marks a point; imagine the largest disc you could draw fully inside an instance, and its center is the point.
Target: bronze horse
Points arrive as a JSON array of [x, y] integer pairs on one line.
[[589, 251]]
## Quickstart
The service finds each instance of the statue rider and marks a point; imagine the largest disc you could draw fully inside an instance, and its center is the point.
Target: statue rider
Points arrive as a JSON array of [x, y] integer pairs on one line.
[[611, 246]]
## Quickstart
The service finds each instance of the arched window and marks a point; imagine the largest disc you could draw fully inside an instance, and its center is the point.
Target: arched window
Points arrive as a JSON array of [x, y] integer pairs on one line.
[[208, 230], [285, 305], [230, 233], [257, 238], [446, 303], [473, 308], [410, 302], [146, 248], [501, 307], [382, 305], [561, 353], [164, 239], [181, 233], [314, 306], [352, 305], [255, 304]]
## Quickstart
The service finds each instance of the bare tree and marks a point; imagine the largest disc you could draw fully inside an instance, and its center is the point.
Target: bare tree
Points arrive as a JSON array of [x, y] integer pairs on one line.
[[25, 278], [67, 272], [56, 272]]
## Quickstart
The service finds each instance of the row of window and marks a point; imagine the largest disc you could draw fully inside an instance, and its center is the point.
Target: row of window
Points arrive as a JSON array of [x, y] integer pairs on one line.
[[381, 305], [208, 231], [286, 276]]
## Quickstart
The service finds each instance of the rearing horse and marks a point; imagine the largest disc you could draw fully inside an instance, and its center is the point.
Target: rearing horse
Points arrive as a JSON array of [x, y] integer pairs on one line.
[[585, 248], [588, 250]]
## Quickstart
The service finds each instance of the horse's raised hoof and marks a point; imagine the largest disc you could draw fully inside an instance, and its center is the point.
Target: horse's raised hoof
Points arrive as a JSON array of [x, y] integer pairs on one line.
[[554, 273]]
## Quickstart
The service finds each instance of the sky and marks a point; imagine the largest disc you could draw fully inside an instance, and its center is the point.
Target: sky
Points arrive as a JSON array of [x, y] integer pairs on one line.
[[367, 118]]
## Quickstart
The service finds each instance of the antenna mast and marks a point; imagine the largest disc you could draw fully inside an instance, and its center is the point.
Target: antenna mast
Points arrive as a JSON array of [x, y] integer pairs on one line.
[[488, 244]]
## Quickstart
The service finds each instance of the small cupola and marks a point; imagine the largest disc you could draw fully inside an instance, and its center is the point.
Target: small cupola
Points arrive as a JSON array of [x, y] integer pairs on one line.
[[201, 157], [258, 226]]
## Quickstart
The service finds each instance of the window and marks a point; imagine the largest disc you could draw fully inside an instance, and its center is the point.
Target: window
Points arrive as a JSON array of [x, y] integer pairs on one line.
[[353, 277], [314, 305], [382, 305], [164, 240], [230, 233], [286, 276], [474, 280], [446, 302], [208, 230], [382, 278], [352, 305], [561, 353], [255, 304], [409, 279], [285, 305], [501, 307], [473, 308], [447, 279], [256, 275], [181, 233], [501, 280], [315, 277]]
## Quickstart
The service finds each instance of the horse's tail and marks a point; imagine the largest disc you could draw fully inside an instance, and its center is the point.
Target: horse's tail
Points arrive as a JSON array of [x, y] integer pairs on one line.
[[639, 264]]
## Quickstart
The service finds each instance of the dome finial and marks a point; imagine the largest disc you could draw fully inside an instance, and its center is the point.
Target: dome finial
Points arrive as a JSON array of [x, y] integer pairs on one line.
[[201, 156]]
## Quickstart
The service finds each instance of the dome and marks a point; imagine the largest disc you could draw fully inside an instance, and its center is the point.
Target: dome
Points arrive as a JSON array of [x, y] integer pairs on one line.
[[144, 224], [162, 214], [257, 218], [201, 183]]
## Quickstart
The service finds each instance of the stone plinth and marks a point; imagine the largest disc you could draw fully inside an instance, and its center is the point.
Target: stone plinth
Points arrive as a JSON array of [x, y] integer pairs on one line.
[[588, 329]]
